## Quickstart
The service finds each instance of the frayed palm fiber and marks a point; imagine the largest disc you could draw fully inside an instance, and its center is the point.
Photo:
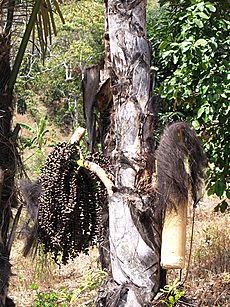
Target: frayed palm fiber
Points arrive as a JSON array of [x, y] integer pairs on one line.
[[179, 145]]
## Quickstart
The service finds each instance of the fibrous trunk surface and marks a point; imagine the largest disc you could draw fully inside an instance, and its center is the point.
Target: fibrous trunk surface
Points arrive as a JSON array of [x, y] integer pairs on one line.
[[8, 162], [134, 222]]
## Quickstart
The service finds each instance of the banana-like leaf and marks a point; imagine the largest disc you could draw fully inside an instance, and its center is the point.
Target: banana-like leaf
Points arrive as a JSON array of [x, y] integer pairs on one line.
[[42, 126], [28, 128], [41, 135]]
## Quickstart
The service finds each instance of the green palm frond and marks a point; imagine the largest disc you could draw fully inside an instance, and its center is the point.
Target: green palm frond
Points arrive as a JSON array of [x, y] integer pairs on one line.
[[41, 21], [28, 128]]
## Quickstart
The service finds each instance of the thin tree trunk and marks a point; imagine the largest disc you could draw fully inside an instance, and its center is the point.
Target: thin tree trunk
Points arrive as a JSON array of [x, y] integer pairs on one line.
[[134, 222]]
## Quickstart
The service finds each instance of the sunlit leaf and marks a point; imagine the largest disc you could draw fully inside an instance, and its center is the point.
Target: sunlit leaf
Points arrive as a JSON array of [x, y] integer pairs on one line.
[[198, 22], [175, 59], [200, 111], [196, 124], [200, 42], [210, 7], [203, 15]]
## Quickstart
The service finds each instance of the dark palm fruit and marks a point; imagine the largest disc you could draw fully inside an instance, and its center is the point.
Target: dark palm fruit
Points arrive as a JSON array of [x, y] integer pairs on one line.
[[70, 203]]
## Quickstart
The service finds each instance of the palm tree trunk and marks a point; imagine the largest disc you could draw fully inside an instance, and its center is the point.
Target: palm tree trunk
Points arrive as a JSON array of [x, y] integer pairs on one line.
[[7, 165], [6, 154], [134, 221]]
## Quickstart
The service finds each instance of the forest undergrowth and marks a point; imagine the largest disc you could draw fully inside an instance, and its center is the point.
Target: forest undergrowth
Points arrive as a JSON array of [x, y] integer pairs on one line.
[[39, 282]]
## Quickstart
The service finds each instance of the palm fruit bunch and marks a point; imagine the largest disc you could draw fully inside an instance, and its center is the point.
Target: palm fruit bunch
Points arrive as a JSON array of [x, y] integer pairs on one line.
[[70, 204]]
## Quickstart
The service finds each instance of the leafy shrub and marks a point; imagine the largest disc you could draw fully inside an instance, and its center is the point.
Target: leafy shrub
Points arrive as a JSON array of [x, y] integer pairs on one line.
[[173, 294], [191, 40]]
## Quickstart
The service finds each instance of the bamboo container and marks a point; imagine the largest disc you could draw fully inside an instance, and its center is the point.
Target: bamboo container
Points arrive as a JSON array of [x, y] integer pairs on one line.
[[174, 238]]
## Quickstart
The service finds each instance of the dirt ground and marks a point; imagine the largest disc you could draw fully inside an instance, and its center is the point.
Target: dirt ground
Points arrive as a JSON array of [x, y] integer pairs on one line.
[[208, 281], [31, 277]]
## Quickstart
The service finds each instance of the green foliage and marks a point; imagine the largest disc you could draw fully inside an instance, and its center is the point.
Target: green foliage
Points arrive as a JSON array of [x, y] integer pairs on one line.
[[222, 207], [173, 294], [38, 140], [91, 280], [43, 263], [191, 41], [57, 81], [64, 297], [51, 299]]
